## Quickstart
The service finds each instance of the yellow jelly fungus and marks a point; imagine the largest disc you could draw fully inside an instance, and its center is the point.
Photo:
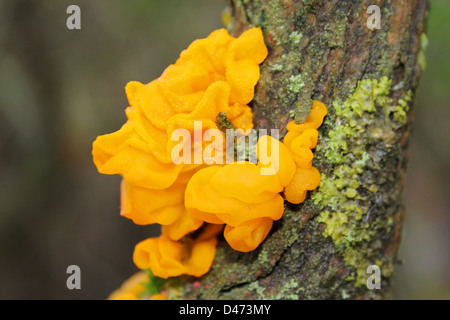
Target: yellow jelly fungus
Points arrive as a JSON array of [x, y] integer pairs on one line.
[[159, 296], [147, 206], [246, 198], [231, 204], [241, 196], [195, 202], [212, 76], [300, 139], [277, 159], [168, 258], [248, 235], [166, 207], [134, 289], [304, 180], [131, 289], [185, 224]]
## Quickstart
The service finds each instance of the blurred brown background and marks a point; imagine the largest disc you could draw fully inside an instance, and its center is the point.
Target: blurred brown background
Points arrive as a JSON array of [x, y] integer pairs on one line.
[[61, 88]]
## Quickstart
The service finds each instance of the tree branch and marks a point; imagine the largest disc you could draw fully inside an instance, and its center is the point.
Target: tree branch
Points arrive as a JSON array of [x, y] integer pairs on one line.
[[324, 50]]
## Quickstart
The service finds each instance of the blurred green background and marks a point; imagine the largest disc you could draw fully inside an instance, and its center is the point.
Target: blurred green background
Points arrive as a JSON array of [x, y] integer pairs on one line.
[[61, 88]]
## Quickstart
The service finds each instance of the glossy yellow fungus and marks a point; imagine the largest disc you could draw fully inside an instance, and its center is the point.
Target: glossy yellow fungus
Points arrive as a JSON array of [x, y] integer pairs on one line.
[[276, 159], [147, 206], [304, 180], [313, 121], [235, 202], [169, 258], [131, 288], [159, 296], [185, 224], [248, 235], [300, 139], [166, 207], [247, 197], [243, 196], [195, 202], [213, 75], [134, 289]]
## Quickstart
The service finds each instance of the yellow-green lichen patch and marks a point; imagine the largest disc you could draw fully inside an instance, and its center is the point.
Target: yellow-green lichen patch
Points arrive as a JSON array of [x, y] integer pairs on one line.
[[423, 47], [334, 32], [296, 83], [295, 37], [346, 207], [354, 257], [399, 111], [287, 291], [363, 128]]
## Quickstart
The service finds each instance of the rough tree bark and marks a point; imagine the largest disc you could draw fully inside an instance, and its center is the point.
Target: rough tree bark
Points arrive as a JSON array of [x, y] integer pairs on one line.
[[324, 50]]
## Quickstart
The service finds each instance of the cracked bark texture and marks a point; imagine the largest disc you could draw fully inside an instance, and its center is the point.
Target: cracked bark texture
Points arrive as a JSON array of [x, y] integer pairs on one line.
[[320, 50]]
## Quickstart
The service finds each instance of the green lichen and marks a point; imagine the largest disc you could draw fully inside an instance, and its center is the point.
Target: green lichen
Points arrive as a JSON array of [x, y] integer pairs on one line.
[[296, 83], [369, 97], [369, 114], [334, 32], [263, 257], [423, 47], [286, 291], [344, 295], [342, 220], [295, 37], [353, 257], [257, 290], [400, 111], [277, 67], [289, 291]]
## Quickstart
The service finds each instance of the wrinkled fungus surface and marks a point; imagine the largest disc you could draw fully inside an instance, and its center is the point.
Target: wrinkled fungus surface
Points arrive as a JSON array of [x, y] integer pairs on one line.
[[212, 82]]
